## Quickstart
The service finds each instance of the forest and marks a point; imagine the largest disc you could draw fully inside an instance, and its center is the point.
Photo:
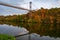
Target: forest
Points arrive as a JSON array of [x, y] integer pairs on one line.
[[39, 16]]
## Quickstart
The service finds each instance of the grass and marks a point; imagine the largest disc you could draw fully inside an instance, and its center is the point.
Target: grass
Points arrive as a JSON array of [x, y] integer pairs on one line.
[[6, 37]]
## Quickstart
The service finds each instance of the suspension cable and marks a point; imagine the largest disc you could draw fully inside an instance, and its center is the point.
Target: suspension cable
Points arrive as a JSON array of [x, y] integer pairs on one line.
[[5, 4]]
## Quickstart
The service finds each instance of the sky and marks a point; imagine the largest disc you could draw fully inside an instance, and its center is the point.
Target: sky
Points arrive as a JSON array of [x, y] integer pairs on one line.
[[36, 4]]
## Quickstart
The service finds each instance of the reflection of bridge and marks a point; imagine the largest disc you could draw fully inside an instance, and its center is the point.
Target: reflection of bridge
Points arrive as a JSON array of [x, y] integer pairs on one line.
[[5, 4]]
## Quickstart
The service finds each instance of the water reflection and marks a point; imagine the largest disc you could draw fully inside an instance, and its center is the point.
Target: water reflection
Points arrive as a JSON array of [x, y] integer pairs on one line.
[[38, 31], [12, 30], [43, 30], [35, 36]]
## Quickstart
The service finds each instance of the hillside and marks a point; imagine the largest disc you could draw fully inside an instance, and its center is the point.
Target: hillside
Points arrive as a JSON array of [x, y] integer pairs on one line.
[[42, 16]]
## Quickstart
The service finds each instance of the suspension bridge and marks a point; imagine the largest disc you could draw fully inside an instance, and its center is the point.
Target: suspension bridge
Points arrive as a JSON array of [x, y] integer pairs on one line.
[[21, 8], [9, 5]]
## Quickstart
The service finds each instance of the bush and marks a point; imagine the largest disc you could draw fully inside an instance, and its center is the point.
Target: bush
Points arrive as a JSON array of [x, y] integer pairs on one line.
[[6, 37]]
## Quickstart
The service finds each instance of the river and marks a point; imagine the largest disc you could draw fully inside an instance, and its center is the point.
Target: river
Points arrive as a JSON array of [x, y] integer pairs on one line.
[[31, 31]]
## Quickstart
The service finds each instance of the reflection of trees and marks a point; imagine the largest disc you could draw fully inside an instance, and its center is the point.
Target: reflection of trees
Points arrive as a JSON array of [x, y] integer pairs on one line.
[[52, 30], [45, 29]]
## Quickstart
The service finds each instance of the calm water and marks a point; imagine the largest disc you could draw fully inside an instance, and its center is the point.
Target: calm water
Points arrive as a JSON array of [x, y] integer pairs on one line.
[[36, 31], [12, 30]]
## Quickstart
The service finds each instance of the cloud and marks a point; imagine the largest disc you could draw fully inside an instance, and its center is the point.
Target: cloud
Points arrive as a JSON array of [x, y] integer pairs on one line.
[[7, 1], [46, 0], [7, 10], [16, 1], [36, 4], [41, 3], [58, 2]]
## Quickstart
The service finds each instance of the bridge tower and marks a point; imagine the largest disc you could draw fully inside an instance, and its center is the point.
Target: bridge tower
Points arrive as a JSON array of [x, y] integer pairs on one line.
[[30, 5]]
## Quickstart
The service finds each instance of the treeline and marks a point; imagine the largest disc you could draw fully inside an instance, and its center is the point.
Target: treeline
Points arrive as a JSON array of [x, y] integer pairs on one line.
[[41, 29], [42, 16]]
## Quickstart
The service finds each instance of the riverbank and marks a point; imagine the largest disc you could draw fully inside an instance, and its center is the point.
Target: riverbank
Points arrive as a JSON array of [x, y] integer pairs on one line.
[[6, 37]]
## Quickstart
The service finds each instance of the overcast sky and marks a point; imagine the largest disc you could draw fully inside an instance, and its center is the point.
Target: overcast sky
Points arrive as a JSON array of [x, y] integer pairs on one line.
[[36, 4]]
